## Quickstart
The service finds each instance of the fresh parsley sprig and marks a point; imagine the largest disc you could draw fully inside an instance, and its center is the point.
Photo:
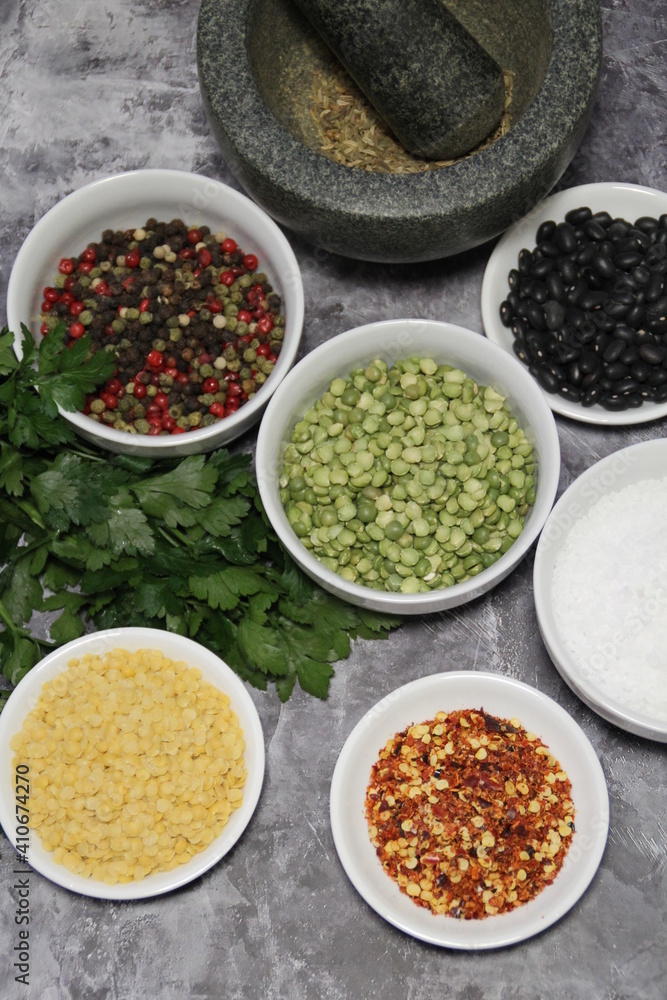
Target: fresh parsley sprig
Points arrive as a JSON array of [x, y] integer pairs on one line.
[[108, 540]]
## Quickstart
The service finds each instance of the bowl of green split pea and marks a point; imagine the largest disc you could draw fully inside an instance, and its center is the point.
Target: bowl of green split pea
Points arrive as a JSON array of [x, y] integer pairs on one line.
[[408, 465]]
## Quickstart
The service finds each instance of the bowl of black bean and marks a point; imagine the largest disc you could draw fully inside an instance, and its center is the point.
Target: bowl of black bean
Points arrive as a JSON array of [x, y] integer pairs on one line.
[[577, 290]]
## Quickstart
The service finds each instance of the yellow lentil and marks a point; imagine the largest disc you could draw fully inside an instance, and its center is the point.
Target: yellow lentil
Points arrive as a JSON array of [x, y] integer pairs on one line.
[[136, 764]]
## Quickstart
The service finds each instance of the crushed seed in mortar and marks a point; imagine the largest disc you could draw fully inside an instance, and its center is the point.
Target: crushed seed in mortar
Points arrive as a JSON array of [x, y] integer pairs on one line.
[[609, 595], [195, 327], [469, 814], [352, 133]]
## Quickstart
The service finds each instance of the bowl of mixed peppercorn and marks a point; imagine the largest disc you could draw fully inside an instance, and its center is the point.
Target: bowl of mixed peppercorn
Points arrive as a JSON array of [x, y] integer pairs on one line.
[[191, 288]]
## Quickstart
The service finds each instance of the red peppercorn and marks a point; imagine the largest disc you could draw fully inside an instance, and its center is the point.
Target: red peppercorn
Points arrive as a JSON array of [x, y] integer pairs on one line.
[[109, 330], [76, 308], [204, 256], [204, 358], [194, 236], [154, 430], [114, 385], [153, 411], [139, 390], [77, 330], [66, 265], [168, 423], [243, 316], [144, 305], [237, 271], [161, 400], [46, 307], [178, 430], [211, 385], [69, 282], [265, 324], [85, 267], [187, 253], [155, 378], [128, 284], [250, 262], [182, 378], [154, 358], [89, 254], [132, 258], [109, 400], [228, 246], [43, 329], [215, 306], [263, 350], [234, 389], [67, 298], [217, 409], [227, 278], [51, 294], [172, 372]]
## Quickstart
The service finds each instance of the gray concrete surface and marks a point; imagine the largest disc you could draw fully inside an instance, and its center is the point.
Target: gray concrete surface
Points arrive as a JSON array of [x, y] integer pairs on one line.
[[90, 88]]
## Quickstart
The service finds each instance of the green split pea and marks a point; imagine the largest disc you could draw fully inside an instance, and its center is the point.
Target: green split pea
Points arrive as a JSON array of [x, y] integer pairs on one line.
[[409, 478]]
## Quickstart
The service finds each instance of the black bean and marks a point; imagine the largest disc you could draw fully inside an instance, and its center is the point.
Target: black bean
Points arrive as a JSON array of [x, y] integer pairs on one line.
[[545, 231], [513, 300], [615, 371], [657, 325], [618, 229], [513, 279], [585, 255], [538, 292], [590, 363], [624, 333], [603, 321], [594, 230], [575, 375], [641, 275], [586, 332], [570, 392], [647, 224], [654, 288], [635, 316], [564, 237], [628, 259], [545, 378], [578, 289], [625, 386], [628, 296], [520, 328], [630, 355], [535, 316], [519, 349], [613, 351], [554, 314], [591, 396], [654, 354], [614, 402], [577, 216], [661, 394], [657, 377], [568, 354], [555, 286], [591, 299], [543, 267], [549, 249], [506, 313], [568, 270], [525, 261], [640, 371]]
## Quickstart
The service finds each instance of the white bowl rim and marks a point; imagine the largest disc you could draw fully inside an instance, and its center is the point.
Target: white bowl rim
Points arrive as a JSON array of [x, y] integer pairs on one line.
[[176, 647], [595, 697], [422, 603], [246, 413], [522, 234]]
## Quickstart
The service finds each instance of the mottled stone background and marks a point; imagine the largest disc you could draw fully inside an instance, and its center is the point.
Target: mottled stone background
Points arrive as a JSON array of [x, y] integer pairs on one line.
[[93, 87]]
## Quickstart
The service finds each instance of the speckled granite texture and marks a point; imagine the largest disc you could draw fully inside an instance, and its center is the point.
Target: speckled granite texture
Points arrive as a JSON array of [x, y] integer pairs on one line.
[[91, 88], [408, 217], [439, 91]]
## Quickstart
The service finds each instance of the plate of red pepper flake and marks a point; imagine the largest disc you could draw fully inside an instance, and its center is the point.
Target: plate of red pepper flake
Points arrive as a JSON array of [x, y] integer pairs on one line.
[[469, 810]]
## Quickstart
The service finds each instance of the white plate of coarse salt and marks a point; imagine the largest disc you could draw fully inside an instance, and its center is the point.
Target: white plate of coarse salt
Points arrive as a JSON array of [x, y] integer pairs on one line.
[[600, 584]]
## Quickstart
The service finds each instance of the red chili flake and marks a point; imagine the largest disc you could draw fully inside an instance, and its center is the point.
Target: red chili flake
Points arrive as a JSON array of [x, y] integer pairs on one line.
[[471, 815]]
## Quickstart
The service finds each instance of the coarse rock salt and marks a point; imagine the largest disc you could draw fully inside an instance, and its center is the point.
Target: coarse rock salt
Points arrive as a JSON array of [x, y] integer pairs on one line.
[[609, 595]]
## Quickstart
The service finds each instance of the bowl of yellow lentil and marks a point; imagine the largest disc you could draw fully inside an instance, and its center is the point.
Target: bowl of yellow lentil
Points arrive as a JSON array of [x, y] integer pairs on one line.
[[132, 762]]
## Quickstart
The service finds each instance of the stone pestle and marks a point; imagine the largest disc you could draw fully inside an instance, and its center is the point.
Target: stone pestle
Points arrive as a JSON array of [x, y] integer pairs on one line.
[[438, 90]]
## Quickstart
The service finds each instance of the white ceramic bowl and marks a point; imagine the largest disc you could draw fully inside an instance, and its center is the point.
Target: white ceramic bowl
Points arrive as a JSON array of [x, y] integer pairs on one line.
[[24, 698], [627, 201], [129, 199], [505, 698], [391, 340], [644, 461]]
